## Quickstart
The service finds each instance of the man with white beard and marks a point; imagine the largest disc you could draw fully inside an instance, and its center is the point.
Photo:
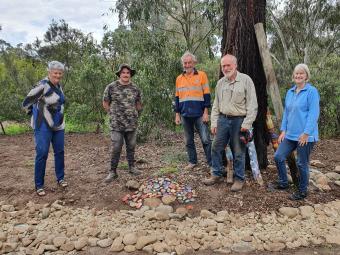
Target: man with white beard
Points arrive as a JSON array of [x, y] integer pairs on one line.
[[233, 113]]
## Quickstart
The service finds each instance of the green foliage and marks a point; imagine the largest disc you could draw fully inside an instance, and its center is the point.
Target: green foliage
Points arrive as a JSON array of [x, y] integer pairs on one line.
[[174, 157], [309, 32], [75, 127], [153, 42], [156, 57], [167, 170], [194, 23], [328, 85], [17, 76], [123, 165], [17, 129], [212, 68]]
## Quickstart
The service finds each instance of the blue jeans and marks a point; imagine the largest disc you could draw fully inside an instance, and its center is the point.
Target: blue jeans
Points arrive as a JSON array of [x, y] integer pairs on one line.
[[303, 153], [228, 130], [189, 124], [42, 139]]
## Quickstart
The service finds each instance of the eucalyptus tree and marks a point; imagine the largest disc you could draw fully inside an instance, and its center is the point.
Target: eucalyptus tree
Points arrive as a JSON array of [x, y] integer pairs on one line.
[[239, 39], [195, 22], [305, 31]]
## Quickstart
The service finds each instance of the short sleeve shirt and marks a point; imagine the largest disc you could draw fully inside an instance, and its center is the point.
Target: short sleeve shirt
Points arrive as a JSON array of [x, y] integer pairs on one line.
[[123, 99]]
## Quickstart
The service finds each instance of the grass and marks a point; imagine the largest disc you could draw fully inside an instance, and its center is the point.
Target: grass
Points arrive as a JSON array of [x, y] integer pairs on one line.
[[123, 166], [174, 157], [167, 170], [79, 128], [17, 129], [21, 128]]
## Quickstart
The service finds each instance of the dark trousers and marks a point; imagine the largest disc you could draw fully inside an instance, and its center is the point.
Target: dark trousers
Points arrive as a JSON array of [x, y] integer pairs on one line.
[[117, 139]]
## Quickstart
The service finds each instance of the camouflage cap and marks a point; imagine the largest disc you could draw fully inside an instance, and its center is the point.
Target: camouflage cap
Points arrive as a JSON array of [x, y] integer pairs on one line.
[[132, 71]]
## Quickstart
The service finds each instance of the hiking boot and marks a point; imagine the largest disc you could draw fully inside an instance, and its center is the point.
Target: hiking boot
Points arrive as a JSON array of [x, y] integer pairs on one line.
[[237, 186], [111, 176], [298, 195], [190, 166], [212, 180], [276, 186], [134, 171], [230, 174]]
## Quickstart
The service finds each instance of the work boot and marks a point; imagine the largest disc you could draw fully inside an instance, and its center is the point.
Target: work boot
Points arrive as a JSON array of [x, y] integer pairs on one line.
[[298, 195], [134, 171], [190, 166], [277, 186], [212, 180], [111, 176], [230, 174], [237, 186]]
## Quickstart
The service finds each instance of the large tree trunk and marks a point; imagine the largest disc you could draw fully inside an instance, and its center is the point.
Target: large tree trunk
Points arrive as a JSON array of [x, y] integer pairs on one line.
[[239, 39]]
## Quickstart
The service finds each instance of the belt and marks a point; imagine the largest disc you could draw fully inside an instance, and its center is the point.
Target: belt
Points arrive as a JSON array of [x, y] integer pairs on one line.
[[231, 116]]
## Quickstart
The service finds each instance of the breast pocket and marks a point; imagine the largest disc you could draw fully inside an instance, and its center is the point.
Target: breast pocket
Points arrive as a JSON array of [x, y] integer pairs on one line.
[[238, 97]]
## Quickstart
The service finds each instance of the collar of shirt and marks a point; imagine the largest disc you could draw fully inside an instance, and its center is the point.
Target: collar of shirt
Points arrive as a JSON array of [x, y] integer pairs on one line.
[[119, 84], [304, 88], [195, 72], [237, 79]]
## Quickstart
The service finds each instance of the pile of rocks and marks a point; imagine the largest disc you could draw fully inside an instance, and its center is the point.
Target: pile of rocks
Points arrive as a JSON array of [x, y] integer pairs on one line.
[[318, 179], [321, 180], [57, 229], [164, 188]]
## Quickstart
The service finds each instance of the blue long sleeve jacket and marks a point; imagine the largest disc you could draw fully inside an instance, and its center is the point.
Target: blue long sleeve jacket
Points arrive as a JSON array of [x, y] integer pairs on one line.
[[301, 113]]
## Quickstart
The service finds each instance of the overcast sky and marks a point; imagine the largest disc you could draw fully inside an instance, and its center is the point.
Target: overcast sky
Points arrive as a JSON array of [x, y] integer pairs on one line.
[[24, 20]]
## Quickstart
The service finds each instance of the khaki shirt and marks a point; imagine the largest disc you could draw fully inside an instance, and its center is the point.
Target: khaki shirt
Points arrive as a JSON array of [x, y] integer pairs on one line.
[[236, 98]]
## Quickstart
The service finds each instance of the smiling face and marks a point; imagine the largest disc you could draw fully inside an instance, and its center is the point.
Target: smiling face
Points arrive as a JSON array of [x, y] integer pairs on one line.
[[125, 76], [55, 75], [300, 76], [229, 66], [188, 64]]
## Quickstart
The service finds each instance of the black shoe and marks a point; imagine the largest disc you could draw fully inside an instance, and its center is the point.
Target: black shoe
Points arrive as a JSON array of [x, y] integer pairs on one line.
[[111, 176], [134, 171], [276, 186], [298, 195]]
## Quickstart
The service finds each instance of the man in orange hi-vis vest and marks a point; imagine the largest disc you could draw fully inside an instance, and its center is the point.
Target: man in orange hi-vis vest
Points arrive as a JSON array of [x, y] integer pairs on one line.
[[191, 106]]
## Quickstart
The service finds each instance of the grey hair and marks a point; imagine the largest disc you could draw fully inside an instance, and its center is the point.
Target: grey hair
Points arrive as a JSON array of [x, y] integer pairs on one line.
[[233, 58], [303, 67], [55, 65], [188, 54]]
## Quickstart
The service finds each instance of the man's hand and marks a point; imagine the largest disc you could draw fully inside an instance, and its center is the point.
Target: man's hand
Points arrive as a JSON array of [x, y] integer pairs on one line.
[[244, 129], [177, 119], [281, 137], [139, 106], [205, 117], [213, 130], [303, 139], [106, 106]]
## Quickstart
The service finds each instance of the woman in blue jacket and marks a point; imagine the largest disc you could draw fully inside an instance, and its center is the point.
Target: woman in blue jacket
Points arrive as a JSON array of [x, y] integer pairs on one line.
[[299, 129], [46, 104]]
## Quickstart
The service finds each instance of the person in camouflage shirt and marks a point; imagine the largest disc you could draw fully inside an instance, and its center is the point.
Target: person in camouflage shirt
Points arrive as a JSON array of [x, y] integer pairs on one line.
[[122, 101]]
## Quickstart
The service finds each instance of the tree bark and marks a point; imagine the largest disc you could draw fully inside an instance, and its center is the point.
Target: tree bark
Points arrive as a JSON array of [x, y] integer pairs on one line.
[[239, 18], [2, 127]]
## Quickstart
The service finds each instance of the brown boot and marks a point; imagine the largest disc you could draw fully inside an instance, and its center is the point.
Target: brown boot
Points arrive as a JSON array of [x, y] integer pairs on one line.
[[212, 180], [237, 186], [230, 173]]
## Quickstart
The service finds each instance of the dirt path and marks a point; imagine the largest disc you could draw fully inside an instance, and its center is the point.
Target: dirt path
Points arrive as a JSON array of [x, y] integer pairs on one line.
[[87, 157]]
